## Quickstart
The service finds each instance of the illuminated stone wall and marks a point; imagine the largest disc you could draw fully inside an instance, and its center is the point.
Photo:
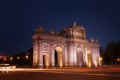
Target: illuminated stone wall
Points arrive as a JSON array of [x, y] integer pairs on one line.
[[69, 48]]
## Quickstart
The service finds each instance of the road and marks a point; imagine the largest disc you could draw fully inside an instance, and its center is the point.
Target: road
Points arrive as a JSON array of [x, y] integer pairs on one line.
[[61, 74]]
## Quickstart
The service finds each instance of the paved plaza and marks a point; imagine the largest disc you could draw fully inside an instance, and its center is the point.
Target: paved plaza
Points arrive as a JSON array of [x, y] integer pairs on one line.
[[61, 74]]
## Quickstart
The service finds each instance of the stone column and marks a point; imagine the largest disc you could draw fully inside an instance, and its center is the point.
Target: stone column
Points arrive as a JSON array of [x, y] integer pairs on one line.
[[74, 55], [65, 55], [84, 55], [35, 53], [92, 62], [71, 54], [52, 56], [40, 55], [68, 50]]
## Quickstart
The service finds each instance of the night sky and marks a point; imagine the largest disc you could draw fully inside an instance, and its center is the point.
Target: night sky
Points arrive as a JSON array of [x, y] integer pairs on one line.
[[20, 18]]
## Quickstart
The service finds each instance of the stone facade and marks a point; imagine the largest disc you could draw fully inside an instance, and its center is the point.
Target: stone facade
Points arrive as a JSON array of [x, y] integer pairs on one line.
[[69, 48]]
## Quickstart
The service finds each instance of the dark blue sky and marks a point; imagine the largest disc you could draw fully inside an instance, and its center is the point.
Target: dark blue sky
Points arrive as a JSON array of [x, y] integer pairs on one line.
[[20, 18]]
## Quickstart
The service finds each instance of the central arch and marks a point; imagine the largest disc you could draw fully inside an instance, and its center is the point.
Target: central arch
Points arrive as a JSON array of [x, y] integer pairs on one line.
[[58, 56]]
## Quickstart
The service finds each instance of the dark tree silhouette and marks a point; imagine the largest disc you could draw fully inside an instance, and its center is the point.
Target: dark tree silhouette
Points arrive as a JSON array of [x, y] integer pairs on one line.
[[30, 52], [112, 53]]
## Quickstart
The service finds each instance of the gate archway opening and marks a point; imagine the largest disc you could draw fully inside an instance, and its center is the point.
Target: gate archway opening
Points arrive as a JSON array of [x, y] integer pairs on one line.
[[46, 60], [89, 59], [80, 62], [58, 57]]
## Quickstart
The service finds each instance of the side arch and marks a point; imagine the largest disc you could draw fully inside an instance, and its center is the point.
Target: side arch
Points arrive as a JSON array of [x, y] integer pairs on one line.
[[89, 58], [79, 57]]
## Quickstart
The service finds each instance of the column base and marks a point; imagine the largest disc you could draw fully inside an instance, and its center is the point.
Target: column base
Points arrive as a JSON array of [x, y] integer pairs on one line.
[[40, 65]]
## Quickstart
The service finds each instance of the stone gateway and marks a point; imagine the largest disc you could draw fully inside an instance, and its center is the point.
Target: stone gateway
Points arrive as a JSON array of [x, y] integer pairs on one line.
[[69, 48]]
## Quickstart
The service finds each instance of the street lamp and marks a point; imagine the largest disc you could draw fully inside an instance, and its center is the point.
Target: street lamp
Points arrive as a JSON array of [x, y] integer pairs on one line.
[[5, 59], [18, 57], [118, 59], [11, 58], [26, 57], [101, 60]]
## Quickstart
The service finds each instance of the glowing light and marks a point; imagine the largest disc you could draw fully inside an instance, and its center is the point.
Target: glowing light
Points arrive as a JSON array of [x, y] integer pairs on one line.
[[35, 58], [60, 58], [89, 61], [95, 62], [101, 58], [118, 59], [47, 60], [11, 58], [59, 49], [18, 57], [89, 65], [26, 57], [5, 59]]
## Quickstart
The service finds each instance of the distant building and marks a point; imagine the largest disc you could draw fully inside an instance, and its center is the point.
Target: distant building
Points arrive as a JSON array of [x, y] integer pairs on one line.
[[69, 48]]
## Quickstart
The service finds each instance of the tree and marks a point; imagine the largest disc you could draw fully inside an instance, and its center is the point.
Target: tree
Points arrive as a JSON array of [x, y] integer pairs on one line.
[[101, 51], [30, 51], [22, 60], [112, 53]]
